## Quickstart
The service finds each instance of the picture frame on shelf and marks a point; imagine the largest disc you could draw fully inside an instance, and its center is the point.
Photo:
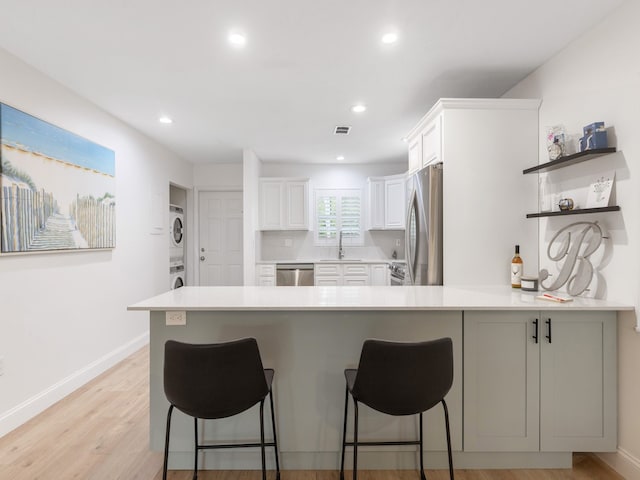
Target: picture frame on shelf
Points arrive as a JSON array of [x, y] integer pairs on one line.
[[599, 191]]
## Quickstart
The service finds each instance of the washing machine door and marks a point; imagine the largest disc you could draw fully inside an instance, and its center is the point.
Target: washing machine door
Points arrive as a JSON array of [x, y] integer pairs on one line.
[[177, 232]]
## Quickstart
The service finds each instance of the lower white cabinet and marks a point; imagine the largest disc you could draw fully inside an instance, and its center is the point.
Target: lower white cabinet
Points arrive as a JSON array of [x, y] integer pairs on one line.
[[380, 274], [540, 381], [344, 273], [266, 274], [334, 274]]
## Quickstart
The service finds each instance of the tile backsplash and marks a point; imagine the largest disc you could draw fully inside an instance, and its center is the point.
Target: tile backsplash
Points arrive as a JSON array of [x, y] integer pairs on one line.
[[296, 245]]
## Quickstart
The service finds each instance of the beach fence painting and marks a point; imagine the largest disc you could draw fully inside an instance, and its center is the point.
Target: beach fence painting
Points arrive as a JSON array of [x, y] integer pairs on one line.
[[57, 188]]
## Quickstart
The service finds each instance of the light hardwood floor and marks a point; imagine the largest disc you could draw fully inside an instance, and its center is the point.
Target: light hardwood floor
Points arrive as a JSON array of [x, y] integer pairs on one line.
[[101, 432]]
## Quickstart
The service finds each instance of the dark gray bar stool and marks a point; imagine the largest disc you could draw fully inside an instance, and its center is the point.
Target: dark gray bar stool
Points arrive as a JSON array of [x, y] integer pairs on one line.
[[399, 378], [217, 381]]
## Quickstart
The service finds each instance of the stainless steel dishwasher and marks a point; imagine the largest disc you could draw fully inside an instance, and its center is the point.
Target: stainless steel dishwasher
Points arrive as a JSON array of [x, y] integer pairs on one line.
[[294, 274]]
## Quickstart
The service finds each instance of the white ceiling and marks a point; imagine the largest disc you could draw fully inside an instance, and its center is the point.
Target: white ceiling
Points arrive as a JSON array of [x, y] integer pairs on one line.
[[305, 64]]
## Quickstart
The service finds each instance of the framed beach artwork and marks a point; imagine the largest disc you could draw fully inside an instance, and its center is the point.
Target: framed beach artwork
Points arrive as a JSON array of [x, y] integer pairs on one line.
[[57, 188]]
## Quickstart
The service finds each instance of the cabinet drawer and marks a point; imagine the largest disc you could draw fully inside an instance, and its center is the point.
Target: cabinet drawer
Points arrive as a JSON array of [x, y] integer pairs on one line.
[[266, 270], [327, 281], [356, 269], [328, 269], [356, 280]]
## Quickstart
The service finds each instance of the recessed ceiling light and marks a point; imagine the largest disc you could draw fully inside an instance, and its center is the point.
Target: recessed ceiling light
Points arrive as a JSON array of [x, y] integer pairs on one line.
[[237, 39], [164, 119], [358, 108], [340, 157], [389, 38]]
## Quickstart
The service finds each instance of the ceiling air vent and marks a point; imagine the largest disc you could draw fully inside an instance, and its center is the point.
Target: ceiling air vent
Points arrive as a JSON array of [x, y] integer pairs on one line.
[[342, 130]]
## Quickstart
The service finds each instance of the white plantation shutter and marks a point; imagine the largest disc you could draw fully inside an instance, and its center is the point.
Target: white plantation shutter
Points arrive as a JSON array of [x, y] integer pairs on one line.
[[350, 217], [339, 210], [327, 217]]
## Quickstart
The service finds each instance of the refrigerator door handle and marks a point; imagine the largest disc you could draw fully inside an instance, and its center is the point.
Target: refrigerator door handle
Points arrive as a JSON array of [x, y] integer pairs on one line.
[[412, 257]]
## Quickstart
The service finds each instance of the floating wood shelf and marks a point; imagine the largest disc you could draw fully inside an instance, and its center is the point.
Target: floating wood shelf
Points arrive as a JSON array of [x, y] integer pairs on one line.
[[570, 160], [577, 211]]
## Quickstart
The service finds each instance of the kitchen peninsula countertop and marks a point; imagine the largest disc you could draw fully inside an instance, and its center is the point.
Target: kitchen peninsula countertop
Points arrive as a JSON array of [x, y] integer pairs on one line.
[[361, 298], [332, 260]]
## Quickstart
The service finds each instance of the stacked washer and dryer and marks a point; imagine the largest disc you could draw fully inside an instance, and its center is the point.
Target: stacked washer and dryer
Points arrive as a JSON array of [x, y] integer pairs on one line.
[[176, 247]]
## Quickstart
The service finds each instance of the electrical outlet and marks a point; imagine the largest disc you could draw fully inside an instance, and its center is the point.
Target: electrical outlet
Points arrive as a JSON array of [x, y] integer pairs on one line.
[[288, 242], [1, 366], [176, 318], [397, 242]]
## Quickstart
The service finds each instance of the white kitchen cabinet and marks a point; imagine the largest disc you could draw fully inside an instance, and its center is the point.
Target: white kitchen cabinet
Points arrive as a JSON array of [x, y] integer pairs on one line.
[[284, 204], [484, 145], [550, 392], [432, 142], [327, 274], [387, 202], [266, 274], [355, 274], [334, 274], [271, 203], [415, 154], [395, 204], [379, 274], [296, 206], [376, 199]]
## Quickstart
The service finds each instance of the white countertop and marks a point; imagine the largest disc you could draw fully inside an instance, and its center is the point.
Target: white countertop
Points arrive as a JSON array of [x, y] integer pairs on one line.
[[362, 298], [331, 260]]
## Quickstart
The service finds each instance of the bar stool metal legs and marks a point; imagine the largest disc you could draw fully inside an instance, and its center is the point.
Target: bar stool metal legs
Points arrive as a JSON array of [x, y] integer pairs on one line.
[[420, 442], [399, 379], [198, 446]]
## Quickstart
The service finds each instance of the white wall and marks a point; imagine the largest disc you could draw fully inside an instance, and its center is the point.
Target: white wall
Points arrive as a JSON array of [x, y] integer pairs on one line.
[[250, 174], [597, 78], [63, 316], [217, 176], [377, 244]]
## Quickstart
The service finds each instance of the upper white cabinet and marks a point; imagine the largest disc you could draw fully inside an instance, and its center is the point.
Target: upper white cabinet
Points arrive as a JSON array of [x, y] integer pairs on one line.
[[387, 202], [284, 204], [432, 142], [394, 202], [415, 154], [484, 145]]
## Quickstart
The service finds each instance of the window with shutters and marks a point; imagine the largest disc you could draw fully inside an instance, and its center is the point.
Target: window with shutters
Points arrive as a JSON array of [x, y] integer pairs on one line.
[[338, 210]]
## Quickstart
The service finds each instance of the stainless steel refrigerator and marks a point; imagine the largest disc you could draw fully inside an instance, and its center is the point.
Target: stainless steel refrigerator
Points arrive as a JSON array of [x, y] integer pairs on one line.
[[423, 236]]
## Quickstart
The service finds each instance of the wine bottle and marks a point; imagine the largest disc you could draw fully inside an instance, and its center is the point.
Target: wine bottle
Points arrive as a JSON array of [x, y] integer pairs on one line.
[[516, 269]]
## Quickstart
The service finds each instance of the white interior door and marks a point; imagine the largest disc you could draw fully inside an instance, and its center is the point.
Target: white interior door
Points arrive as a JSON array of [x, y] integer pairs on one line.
[[220, 242]]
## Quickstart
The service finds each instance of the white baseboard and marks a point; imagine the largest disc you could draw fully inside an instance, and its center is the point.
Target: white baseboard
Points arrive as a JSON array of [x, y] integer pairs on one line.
[[622, 462], [31, 407]]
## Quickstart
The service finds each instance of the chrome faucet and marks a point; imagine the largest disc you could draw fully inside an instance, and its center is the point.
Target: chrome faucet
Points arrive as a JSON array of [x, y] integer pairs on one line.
[[340, 249]]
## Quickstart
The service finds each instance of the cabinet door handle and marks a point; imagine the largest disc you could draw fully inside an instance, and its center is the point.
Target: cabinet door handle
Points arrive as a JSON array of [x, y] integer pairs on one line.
[[535, 334], [548, 322]]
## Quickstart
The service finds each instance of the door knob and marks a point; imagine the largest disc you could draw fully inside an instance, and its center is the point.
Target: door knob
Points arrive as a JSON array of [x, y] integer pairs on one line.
[[202, 258]]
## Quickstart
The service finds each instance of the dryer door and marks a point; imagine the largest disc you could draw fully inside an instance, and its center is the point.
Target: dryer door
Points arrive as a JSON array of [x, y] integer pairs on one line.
[[176, 232]]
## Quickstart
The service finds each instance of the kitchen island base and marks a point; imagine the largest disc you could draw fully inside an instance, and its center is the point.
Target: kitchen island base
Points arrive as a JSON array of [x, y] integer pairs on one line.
[[309, 351], [533, 381]]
